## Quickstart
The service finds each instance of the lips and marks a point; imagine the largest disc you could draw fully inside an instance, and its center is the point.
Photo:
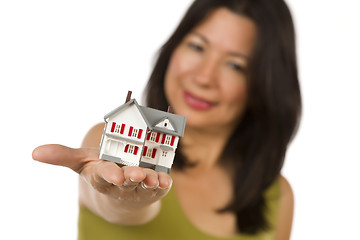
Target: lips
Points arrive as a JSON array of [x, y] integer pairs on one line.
[[197, 103]]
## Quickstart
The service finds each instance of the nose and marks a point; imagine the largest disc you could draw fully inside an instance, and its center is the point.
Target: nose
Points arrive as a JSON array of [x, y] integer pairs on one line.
[[206, 72]]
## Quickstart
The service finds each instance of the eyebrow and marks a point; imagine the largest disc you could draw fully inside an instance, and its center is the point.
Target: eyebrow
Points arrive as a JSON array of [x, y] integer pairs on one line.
[[235, 54]]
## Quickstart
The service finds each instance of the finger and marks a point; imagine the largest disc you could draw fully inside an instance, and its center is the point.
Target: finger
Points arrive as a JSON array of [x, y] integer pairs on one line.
[[151, 180], [132, 177], [163, 184], [108, 173], [134, 174], [63, 156], [129, 185], [103, 176], [165, 181], [149, 185]]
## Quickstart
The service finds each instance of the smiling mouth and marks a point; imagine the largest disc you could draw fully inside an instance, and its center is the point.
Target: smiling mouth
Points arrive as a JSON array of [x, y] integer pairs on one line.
[[197, 103]]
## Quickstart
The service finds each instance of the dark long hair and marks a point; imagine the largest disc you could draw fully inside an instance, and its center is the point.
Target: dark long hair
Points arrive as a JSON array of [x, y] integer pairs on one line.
[[258, 146]]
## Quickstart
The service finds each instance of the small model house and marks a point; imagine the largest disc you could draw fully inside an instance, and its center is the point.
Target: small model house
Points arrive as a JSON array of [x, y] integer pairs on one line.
[[135, 135]]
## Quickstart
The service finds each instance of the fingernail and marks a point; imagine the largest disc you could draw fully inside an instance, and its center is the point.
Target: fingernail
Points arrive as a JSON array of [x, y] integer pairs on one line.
[[35, 154], [128, 183], [144, 186], [170, 184]]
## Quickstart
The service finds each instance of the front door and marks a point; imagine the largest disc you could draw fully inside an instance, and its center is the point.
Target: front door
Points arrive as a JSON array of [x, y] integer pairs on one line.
[[114, 148]]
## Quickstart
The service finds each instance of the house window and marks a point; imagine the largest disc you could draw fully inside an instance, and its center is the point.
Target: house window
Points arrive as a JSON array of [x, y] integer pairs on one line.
[[149, 153], [134, 133], [153, 136], [164, 154], [117, 128], [131, 149], [167, 140]]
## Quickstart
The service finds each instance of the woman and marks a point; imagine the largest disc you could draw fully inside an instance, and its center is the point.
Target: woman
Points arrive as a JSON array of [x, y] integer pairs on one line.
[[230, 68]]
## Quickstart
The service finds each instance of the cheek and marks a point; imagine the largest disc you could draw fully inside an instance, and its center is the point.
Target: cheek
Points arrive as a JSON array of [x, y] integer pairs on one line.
[[236, 98], [172, 70], [177, 69]]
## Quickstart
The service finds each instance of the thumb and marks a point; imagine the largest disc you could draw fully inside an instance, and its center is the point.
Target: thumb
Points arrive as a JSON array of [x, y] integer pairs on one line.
[[63, 156]]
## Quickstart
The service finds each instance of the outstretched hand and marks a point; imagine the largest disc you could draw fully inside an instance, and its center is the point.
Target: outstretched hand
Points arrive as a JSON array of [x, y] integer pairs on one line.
[[133, 186]]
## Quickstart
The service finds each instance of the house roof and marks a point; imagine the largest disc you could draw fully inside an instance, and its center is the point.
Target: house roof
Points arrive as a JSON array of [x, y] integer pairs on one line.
[[153, 116]]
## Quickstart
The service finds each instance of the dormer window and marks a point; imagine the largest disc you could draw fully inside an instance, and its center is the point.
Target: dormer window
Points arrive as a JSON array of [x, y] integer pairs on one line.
[[165, 123]]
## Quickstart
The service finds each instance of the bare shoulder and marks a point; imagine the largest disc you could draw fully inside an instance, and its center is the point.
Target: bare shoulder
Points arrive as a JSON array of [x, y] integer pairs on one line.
[[93, 136], [286, 189], [286, 210]]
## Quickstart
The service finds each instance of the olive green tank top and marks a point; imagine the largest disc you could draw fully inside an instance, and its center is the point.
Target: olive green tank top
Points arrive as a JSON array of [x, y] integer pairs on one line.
[[171, 223]]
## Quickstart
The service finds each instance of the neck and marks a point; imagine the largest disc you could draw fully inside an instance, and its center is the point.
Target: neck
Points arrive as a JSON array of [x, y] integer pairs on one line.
[[204, 147]]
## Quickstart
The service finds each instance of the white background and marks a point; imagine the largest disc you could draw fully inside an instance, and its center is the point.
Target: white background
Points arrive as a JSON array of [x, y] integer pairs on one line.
[[65, 64]]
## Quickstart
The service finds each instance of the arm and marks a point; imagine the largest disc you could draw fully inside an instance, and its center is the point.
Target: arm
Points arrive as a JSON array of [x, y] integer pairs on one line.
[[286, 211], [126, 195]]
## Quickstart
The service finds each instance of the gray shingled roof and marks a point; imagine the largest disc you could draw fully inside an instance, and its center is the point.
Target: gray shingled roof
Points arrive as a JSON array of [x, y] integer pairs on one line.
[[153, 116]]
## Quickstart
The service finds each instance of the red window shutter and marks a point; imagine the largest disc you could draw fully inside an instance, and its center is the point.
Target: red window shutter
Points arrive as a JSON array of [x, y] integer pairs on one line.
[[144, 151], [172, 140], [139, 133], [130, 131], [153, 153], [163, 138], [148, 136], [136, 150], [157, 137], [113, 126], [122, 128], [126, 148]]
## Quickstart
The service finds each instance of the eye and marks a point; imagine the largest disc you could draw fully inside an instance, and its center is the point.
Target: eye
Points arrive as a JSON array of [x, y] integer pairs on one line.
[[237, 67], [195, 47]]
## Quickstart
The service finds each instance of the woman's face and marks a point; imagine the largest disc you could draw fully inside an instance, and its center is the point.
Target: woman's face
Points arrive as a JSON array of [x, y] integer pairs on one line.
[[206, 80]]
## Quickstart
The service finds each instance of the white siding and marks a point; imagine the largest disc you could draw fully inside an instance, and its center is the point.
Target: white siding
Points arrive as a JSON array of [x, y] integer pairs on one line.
[[166, 161], [131, 117]]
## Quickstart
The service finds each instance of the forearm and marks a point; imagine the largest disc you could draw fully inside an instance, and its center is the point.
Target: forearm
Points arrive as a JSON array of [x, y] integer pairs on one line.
[[114, 210]]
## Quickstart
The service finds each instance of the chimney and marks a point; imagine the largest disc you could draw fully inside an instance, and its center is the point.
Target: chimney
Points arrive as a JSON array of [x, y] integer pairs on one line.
[[128, 96], [170, 109]]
